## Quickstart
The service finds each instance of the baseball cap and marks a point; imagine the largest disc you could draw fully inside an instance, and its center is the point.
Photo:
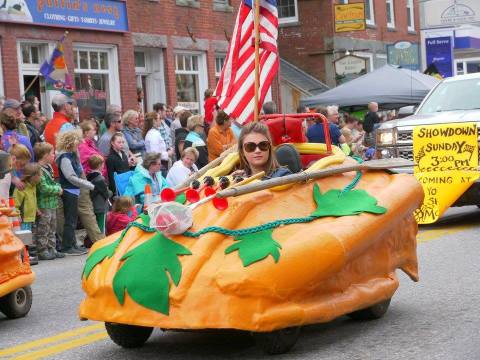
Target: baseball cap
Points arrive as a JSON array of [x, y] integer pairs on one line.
[[12, 104], [60, 99], [179, 108]]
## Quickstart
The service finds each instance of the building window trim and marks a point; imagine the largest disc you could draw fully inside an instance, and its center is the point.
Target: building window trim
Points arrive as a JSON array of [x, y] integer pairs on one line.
[[222, 5], [201, 72], [188, 3], [370, 17], [391, 21], [290, 19], [366, 55], [218, 71], [411, 11], [464, 62], [112, 71]]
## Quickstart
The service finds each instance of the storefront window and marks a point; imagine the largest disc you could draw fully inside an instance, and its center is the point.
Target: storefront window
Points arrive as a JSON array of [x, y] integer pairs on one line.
[[187, 79], [219, 62], [467, 66], [92, 86]]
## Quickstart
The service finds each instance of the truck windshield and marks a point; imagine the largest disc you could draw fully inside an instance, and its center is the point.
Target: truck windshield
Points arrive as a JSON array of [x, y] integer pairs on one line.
[[454, 95]]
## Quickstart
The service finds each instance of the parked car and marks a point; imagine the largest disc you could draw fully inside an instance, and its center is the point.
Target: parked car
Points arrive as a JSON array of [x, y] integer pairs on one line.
[[454, 100]]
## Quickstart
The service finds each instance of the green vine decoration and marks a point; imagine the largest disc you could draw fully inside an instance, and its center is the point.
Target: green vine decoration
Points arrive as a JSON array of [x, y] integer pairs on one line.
[[150, 288], [107, 251]]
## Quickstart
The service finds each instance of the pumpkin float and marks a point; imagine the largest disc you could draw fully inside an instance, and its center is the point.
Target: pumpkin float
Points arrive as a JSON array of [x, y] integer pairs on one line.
[[273, 261]]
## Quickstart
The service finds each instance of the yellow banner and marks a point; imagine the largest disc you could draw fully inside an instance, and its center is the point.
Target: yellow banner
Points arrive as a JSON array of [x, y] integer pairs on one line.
[[446, 158], [350, 17]]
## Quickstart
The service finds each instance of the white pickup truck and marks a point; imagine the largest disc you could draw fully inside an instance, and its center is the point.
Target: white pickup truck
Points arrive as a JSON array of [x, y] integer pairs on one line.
[[453, 100]]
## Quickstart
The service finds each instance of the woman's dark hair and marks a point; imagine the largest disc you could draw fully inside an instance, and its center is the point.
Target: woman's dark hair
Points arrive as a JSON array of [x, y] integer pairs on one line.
[[222, 118], [148, 122], [259, 128], [184, 118], [321, 110], [28, 109], [351, 119], [159, 106], [8, 120]]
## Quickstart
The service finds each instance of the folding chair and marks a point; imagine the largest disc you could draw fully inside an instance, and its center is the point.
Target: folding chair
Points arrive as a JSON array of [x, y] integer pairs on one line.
[[121, 181]]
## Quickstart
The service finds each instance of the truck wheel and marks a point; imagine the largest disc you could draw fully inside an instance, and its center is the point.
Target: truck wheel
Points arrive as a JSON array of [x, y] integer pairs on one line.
[[128, 336], [371, 313], [17, 304], [277, 342]]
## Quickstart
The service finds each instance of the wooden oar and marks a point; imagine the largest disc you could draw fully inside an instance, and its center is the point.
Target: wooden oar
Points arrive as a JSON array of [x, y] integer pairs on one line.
[[318, 174], [207, 167]]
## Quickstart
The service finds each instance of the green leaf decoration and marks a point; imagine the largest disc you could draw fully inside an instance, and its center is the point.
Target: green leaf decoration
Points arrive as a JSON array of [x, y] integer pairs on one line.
[[144, 273], [99, 255], [353, 202], [255, 247], [181, 198]]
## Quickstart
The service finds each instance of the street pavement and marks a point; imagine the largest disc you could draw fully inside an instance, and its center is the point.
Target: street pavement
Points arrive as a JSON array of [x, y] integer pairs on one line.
[[436, 318]]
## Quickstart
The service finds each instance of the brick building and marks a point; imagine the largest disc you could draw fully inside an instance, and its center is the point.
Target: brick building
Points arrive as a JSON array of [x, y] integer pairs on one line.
[[308, 41], [173, 49]]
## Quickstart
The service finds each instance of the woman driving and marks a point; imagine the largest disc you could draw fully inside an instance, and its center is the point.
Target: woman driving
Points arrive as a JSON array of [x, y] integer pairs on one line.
[[256, 153]]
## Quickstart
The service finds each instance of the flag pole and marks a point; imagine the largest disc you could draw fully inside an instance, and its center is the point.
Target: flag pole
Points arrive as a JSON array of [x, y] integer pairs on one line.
[[38, 73], [256, 21]]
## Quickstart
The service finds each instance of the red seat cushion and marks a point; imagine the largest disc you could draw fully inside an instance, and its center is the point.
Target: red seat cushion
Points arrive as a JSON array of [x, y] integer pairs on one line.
[[288, 130]]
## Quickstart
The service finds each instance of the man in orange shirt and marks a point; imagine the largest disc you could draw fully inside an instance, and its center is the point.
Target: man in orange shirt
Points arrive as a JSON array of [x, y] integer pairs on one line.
[[220, 136]]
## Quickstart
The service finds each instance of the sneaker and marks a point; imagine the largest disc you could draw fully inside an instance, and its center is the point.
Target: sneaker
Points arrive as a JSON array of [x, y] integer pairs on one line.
[[57, 254], [80, 247], [45, 255], [74, 252]]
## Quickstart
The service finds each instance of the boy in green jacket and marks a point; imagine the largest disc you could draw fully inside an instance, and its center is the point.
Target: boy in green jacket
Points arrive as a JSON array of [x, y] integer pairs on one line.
[[48, 192]]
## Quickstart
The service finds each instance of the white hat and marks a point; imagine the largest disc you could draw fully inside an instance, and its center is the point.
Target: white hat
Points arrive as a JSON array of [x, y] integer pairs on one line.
[[179, 108]]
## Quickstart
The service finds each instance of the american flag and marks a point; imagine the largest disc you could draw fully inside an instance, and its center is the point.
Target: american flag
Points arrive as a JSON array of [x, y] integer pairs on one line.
[[235, 89]]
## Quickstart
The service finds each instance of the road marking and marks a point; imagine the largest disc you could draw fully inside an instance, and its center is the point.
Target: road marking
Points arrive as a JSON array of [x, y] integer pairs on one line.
[[82, 331], [55, 349], [434, 234]]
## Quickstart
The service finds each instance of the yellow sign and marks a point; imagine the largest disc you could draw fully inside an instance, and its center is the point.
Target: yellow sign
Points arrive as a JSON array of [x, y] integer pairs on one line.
[[446, 161], [350, 17]]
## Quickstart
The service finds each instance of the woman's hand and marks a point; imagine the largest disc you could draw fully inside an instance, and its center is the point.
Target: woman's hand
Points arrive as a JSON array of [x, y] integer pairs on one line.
[[241, 173]]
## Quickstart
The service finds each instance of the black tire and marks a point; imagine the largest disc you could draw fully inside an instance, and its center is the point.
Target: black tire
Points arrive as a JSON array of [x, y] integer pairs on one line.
[[371, 313], [279, 341], [17, 304], [128, 336]]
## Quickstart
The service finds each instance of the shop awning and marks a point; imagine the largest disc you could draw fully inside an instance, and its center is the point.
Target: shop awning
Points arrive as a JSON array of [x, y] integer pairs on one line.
[[390, 86]]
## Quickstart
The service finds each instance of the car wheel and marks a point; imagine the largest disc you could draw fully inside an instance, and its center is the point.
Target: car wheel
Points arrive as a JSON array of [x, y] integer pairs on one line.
[[279, 341], [128, 336], [17, 304], [371, 313]]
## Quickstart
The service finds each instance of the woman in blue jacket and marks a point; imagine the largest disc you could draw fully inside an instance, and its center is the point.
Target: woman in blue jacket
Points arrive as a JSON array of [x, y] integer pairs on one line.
[[146, 173]]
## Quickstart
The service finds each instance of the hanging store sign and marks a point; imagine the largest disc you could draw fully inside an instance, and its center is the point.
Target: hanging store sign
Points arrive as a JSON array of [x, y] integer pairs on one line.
[[349, 67], [107, 15], [404, 54], [441, 13], [350, 17], [440, 53]]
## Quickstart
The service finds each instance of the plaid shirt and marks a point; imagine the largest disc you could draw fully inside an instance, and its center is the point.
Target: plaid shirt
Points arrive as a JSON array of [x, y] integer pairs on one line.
[[166, 134], [47, 190]]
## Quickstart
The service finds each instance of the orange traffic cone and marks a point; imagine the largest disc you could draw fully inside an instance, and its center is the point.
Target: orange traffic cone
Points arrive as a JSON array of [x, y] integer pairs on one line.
[[148, 197]]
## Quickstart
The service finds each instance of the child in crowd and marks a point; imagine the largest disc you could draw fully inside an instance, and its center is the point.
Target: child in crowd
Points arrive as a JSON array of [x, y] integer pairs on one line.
[[48, 192], [20, 157], [70, 175], [118, 218], [100, 193], [26, 198]]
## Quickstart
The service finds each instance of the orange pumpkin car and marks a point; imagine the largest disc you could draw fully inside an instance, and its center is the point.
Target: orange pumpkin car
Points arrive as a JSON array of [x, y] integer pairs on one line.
[[273, 261]]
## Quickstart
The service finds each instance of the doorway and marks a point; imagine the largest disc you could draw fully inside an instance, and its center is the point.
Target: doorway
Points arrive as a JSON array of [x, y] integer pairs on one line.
[[35, 88]]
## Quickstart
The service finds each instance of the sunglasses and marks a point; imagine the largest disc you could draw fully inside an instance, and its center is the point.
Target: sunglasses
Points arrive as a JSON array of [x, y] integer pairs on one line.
[[251, 146]]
